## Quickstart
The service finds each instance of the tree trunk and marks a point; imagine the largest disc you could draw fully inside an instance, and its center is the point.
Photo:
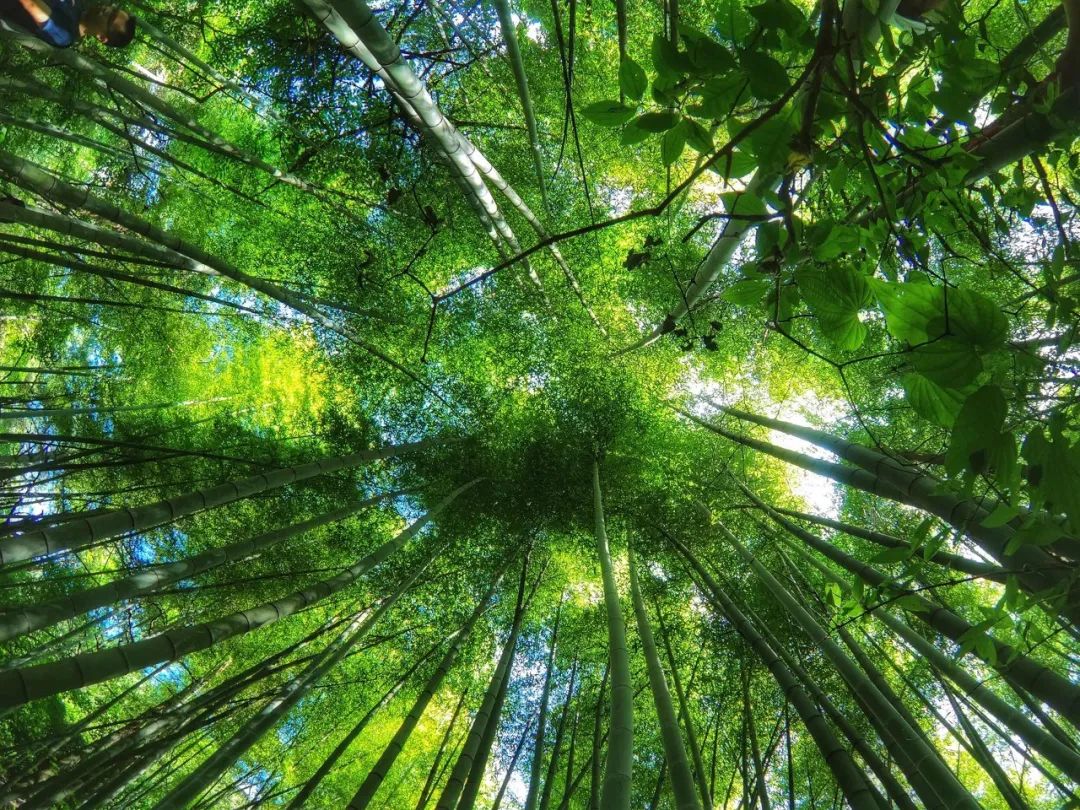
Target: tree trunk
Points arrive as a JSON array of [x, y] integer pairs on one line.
[[682, 780], [463, 785], [45, 614], [620, 754], [556, 749], [923, 490], [761, 790], [195, 783], [595, 760], [495, 805], [941, 787], [76, 535], [956, 562], [983, 755], [435, 771], [311, 785], [1064, 757], [1018, 669], [684, 712], [849, 777], [21, 685], [377, 774], [541, 722], [896, 792], [513, 53], [568, 792], [152, 101], [1033, 562], [35, 179]]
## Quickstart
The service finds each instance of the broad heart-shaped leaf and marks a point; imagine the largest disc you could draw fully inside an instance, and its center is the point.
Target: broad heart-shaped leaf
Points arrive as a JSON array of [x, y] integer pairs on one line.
[[956, 100], [770, 143], [1040, 531], [632, 134], [768, 78], [840, 239], [719, 95], [932, 401], [910, 602], [847, 331], [781, 302], [909, 308], [976, 429], [780, 14], [608, 113], [948, 362], [709, 58], [632, 80], [673, 143], [657, 121], [668, 60], [732, 21], [734, 165], [1001, 459], [836, 298], [1002, 514], [664, 90], [838, 291], [918, 312], [976, 319], [699, 138], [892, 555], [747, 293], [1060, 485], [741, 202]]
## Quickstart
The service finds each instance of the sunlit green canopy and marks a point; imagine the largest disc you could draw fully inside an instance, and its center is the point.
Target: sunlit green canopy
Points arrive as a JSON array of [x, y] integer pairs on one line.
[[558, 406]]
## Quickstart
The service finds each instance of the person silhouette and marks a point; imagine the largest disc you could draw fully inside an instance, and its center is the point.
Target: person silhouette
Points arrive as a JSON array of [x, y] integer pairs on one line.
[[63, 23]]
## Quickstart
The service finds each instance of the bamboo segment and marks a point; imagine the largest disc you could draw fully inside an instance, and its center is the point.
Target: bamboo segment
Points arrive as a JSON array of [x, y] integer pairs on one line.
[[81, 533], [23, 684], [620, 756], [45, 614], [857, 790], [682, 780], [366, 792]]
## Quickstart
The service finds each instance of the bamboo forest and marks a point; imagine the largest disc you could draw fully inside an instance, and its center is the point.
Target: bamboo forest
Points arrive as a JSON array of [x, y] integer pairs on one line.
[[541, 405]]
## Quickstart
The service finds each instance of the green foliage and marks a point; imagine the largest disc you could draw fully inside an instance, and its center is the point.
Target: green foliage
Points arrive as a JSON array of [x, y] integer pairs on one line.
[[796, 218]]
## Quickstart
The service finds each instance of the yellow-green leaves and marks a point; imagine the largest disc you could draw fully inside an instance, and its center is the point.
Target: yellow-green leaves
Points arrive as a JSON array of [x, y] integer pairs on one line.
[[748, 292], [837, 297], [931, 401], [909, 308]]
